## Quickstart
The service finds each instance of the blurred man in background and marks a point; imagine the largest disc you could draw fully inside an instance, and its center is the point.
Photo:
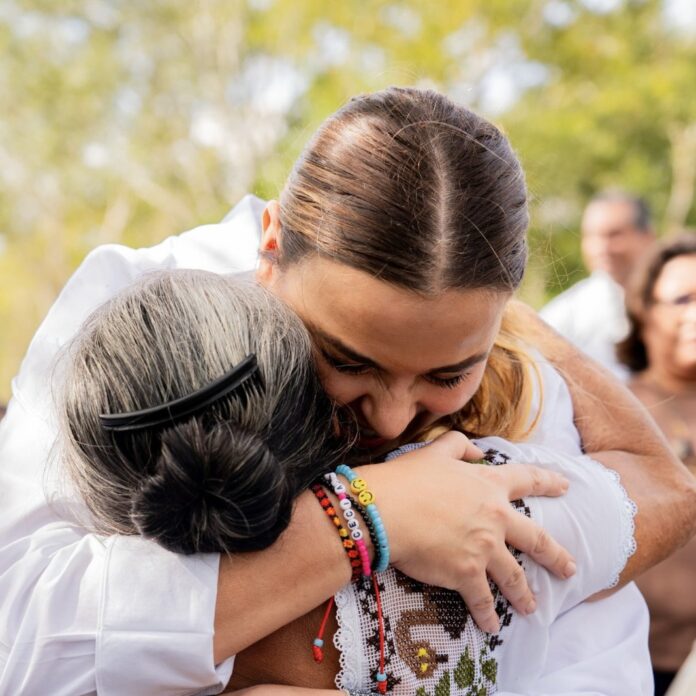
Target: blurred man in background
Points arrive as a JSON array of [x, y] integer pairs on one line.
[[616, 231]]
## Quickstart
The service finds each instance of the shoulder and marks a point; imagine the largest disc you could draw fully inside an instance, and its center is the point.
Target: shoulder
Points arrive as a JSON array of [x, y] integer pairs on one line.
[[552, 409], [226, 247]]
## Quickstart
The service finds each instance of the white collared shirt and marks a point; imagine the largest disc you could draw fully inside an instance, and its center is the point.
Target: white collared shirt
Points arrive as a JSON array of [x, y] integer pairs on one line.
[[591, 314]]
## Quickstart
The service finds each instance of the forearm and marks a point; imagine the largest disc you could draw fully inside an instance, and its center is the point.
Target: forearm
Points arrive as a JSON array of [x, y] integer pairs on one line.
[[617, 431], [261, 591]]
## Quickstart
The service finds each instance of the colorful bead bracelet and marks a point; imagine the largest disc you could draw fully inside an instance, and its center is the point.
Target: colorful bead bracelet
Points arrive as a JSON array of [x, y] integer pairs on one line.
[[367, 499], [351, 521], [348, 543]]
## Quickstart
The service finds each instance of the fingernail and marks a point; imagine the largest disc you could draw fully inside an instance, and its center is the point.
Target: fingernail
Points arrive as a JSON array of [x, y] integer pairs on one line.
[[531, 607], [570, 569], [564, 486], [492, 626]]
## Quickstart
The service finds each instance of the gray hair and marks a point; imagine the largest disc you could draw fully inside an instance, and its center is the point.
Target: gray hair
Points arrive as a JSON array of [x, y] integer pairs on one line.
[[223, 480]]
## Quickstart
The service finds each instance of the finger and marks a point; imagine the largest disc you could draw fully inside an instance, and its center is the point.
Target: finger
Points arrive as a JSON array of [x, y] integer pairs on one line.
[[527, 536], [507, 573], [458, 446], [478, 598], [527, 479]]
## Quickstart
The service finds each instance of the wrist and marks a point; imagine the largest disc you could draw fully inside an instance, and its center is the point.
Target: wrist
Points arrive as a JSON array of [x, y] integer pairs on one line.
[[381, 481]]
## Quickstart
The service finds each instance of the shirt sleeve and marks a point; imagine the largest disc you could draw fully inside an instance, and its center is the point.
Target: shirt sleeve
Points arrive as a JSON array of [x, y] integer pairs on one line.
[[596, 649], [594, 521], [82, 612]]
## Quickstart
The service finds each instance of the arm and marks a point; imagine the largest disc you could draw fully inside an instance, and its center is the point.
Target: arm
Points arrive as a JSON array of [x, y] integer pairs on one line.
[[469, 519], [617, 431]]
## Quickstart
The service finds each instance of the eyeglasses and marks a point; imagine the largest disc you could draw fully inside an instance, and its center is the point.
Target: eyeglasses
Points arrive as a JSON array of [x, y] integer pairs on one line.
[[680, 302]]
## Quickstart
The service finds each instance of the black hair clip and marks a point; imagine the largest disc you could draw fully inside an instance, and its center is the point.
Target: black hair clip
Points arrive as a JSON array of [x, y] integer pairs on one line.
[[185, 406]]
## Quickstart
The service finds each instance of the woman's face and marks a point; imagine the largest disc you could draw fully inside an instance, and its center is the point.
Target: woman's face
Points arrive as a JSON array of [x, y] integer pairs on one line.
[[669, 330], [398, 360]]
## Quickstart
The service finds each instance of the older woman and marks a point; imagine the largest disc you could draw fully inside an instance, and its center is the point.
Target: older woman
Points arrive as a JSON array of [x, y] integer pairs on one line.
[[661, 353]]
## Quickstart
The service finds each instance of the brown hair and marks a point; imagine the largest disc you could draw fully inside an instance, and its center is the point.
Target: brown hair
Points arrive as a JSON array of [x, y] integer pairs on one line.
[[639, 297], [408, 186]]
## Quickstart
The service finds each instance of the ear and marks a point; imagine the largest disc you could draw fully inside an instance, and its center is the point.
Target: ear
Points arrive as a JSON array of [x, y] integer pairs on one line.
[[268, 248]]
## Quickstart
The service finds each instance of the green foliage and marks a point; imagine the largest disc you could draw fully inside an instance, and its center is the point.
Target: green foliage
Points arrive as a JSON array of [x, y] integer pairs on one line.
[[127, 122]]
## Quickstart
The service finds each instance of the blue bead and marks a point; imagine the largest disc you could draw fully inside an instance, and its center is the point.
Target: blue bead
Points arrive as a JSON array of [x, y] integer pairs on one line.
[[381, 676], [319, 642]]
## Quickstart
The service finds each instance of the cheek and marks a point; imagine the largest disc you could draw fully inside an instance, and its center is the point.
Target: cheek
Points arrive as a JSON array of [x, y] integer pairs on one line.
[[344, 389], [660, 338]]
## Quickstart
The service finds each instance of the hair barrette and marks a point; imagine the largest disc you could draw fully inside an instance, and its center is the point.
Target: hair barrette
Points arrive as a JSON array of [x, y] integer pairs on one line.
[[185, 406]]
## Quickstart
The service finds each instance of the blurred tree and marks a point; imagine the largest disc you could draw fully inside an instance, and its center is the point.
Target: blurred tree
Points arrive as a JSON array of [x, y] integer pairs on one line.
[[126, 122]]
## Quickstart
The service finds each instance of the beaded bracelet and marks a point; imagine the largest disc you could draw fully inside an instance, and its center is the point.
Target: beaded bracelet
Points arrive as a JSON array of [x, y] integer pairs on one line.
[[351, 521], [371, 529], [349, 544], [367, 498]]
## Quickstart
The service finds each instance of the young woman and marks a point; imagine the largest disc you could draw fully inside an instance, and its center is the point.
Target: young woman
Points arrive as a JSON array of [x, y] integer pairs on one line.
[[398, 240], [203, 443]]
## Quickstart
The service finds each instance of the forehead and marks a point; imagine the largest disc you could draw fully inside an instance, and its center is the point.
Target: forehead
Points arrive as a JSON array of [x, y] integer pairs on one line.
[[394, 327], [677, 276], [604, 216]]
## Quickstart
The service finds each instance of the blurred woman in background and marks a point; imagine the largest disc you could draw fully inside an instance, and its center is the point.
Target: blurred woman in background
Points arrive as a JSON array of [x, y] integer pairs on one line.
[[660, 351]]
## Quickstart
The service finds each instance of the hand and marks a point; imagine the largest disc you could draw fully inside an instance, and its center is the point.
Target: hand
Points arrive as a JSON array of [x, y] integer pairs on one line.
[[448, 523]]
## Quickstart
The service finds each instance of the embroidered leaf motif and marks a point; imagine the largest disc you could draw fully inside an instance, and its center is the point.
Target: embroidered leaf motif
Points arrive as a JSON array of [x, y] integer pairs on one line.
[[482, 691], [443, 687], [464, 672], [420, 691], [489, 668]]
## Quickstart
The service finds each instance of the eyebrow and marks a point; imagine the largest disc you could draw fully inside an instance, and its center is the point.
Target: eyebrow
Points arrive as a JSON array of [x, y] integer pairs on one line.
[[351, 354]]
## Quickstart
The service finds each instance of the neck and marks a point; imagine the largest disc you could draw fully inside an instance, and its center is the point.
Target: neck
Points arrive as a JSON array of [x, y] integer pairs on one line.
[[668, 382]]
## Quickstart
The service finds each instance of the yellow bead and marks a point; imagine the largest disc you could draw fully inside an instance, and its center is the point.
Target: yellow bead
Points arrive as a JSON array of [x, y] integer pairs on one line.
[[343, 532], [357, 485], [366, 498]]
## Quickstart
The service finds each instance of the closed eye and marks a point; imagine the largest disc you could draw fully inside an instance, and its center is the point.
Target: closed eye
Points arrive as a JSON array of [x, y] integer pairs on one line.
[[447, 382], [340, 365]]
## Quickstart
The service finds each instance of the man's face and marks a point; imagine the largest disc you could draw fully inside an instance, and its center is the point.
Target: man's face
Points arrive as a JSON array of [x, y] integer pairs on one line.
[[611, 242]]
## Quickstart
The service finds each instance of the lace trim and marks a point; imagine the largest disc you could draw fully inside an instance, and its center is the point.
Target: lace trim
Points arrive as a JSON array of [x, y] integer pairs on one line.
[[353, 672], [627, 515]]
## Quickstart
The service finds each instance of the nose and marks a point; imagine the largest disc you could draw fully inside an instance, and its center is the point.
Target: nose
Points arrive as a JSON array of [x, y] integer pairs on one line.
[[389, 411]]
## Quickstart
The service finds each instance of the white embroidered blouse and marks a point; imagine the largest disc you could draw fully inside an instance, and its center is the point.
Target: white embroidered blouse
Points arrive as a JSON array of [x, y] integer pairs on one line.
[[434, 648]]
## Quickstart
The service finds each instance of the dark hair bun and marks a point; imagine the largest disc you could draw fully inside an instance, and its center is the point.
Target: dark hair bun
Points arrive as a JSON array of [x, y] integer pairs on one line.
[[216, 491]]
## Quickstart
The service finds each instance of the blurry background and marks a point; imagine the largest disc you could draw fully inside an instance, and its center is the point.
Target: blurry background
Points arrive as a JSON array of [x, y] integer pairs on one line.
[[127, 122]]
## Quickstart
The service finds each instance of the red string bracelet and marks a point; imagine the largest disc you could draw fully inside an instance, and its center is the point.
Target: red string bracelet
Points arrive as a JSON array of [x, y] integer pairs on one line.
[[381, 676], [318, 645]]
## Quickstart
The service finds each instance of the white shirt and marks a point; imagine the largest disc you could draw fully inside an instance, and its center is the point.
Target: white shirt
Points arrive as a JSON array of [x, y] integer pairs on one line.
[[82, 612], [591, 314], [565, 647]]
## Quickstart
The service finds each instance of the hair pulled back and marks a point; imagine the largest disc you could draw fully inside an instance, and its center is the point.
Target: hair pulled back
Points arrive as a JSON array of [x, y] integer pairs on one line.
[[223, 480], [410, 187], [632, 351], [422, 193]]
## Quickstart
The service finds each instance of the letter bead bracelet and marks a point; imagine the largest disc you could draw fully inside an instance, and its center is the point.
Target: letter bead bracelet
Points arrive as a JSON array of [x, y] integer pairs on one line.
[[366, 498]]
